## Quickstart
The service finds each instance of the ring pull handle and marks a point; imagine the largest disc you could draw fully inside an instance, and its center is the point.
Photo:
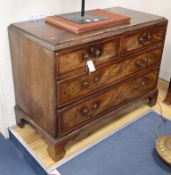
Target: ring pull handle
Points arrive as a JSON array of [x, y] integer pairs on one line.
[[142, 83], [85, 111], [95, 106], [92, 49], [85, 84], [142, 63], [98, 53], [96, 79], [135, 86], [145, 39], [149, 37], [86, 56]]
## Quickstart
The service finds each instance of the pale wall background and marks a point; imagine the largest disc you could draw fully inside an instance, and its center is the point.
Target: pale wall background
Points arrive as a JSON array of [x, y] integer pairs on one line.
[[19, 10]]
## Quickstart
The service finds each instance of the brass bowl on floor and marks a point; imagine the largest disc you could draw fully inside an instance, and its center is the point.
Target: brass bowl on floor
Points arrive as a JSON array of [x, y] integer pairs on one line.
[[163, 147]]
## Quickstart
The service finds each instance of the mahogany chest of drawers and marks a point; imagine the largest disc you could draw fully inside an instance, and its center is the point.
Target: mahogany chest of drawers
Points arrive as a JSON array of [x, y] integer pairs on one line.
[[54, 90]]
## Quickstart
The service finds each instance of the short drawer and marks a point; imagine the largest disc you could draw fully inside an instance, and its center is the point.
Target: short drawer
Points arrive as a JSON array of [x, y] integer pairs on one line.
[[73, 117], [76, 59], [142, 39], [75, 88]]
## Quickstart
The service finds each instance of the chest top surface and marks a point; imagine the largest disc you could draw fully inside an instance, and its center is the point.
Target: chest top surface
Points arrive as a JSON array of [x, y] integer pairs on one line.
[[55, 38]]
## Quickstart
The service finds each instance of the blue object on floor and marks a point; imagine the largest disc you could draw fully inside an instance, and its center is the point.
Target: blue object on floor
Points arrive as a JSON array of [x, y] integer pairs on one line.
[[12, 161], [130, 151]]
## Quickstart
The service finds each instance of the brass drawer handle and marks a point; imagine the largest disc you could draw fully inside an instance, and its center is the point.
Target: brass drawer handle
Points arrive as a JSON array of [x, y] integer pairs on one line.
[[86, 56], [96, 52], [142, 83], [85, 111], [145, 39], [135, 86], [95, 106], [149, 37], [85, 84], [96, 79], [141, 63]]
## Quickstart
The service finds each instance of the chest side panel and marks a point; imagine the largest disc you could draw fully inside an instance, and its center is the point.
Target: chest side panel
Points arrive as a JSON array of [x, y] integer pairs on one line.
[[34, 80]]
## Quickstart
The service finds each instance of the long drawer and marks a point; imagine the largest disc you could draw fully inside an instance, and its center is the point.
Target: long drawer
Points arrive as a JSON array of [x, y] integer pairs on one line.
[[73, 117], [75, 88]]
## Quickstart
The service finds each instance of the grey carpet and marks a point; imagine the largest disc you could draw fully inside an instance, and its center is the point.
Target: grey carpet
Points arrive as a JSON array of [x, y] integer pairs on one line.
[[12, 161], [130, 151]]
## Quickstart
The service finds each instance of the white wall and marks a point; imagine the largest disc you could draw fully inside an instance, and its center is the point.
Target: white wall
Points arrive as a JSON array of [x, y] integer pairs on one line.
[[19, 10]]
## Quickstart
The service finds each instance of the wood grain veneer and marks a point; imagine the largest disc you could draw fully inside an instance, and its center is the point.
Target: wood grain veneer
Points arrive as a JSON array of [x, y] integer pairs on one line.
[[107, 75]]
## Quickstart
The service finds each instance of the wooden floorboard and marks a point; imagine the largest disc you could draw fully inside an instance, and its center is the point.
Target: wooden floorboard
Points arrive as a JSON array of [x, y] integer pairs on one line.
[[39, 146]]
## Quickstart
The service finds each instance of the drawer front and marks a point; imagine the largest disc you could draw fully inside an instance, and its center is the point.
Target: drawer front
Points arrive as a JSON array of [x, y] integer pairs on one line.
[[142, 39], [76, 59], [83, 85], [74, 117]]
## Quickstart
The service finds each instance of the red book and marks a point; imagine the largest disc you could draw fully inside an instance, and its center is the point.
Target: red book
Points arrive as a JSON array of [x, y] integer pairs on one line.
[[112, 20]]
